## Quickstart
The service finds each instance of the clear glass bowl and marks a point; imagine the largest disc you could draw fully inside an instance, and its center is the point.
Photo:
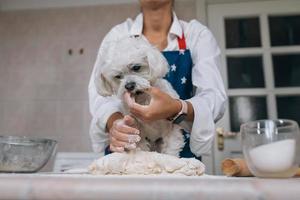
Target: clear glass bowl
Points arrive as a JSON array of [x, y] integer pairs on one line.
[[24, 155], [270, 147]]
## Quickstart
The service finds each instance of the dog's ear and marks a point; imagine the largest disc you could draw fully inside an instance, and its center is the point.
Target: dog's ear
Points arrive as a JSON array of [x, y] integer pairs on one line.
[[159, 66], [103, 87]]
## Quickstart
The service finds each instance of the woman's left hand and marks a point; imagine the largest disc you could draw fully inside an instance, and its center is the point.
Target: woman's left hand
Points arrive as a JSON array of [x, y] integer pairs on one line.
[[161, 106]]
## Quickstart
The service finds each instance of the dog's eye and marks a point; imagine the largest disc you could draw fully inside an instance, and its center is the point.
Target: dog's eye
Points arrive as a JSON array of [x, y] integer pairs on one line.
[[136, 68], [118, 76]]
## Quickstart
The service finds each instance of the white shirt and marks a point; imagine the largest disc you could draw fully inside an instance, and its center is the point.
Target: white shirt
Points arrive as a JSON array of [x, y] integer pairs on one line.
[[210, 97]]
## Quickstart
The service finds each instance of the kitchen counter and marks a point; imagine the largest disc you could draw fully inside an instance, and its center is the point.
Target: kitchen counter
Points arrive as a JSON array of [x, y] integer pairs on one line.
[[84, 186]]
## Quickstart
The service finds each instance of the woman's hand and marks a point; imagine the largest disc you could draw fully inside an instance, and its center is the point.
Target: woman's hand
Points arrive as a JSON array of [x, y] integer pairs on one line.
[[123, 134], [162, 106]]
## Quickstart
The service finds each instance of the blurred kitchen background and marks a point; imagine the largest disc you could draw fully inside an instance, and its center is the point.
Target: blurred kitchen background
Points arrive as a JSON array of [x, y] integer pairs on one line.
[[48, 49]]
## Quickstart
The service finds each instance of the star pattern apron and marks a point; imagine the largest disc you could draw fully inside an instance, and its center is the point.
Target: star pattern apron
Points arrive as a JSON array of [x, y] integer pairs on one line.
[[180, 77]]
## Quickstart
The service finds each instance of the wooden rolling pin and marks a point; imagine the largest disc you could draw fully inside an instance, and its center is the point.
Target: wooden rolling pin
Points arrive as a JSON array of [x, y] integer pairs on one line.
[[238, 167]]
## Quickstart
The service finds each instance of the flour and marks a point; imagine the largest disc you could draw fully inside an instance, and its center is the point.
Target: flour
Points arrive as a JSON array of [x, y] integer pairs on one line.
[[146, 163], [274, 157]]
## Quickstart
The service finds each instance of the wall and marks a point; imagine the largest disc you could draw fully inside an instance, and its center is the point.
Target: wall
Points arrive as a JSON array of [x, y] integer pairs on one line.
[[43, 89]]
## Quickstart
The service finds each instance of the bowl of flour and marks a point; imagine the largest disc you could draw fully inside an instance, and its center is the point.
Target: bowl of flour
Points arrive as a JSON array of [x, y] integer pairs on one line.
[[270, 147]]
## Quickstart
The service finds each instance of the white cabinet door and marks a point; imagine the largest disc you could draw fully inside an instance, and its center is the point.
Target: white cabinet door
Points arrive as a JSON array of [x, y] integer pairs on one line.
[[260, 44]]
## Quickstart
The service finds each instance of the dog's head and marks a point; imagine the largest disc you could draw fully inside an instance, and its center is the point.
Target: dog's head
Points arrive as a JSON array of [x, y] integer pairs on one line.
[[129, 64]]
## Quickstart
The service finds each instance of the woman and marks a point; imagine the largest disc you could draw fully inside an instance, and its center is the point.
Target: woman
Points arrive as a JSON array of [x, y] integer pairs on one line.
[[194, 58]]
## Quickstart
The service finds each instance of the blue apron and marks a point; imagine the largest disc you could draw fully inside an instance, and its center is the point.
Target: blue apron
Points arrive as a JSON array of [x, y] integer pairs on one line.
[[180, 77]]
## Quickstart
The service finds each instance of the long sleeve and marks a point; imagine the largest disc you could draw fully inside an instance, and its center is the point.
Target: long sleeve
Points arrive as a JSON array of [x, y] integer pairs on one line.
[[101, 108], [210, 97]]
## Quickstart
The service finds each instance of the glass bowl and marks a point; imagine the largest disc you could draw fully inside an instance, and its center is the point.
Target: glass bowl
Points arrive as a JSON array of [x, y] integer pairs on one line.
[[270, 147], [24, 155]]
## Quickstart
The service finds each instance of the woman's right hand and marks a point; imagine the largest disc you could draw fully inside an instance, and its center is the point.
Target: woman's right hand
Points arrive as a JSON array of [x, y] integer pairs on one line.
[[123, 134]]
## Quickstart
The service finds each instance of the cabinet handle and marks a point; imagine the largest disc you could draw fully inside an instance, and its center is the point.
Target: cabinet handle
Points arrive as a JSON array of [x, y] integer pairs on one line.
[[220, 140], [222, 135]]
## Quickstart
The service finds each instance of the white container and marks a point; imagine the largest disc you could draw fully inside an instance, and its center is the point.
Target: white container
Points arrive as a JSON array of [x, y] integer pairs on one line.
[[270, 147]]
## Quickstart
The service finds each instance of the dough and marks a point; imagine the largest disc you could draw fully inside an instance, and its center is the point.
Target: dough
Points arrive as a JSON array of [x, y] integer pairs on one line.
[[146, 163]]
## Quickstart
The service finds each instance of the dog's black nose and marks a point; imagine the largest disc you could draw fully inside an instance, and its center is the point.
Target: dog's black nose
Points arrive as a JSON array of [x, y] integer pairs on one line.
[[130, 86]]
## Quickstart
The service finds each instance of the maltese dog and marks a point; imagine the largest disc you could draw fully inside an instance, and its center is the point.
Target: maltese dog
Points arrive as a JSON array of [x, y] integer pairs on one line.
[[132, 65]]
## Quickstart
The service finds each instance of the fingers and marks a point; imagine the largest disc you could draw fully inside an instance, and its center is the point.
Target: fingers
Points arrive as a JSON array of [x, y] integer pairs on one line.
[[117, 143], [152, 91], [143, 116], [128, 99], [116, 149], [138, 108], [123, 136], [130, 121], [141, 111], [133, 105], [126, 126], [119, 146], [147, 112]]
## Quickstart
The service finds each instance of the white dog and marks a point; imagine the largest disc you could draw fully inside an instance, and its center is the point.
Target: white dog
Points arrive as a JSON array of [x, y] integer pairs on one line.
[[133, 65]]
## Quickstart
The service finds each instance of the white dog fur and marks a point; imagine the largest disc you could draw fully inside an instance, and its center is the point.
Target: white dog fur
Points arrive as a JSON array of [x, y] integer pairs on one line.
[[133, 60]]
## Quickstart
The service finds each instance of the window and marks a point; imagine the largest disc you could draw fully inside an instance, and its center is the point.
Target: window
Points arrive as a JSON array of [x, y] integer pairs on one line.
[[242, 32], [288, 107], [246, 108], [286, 70], [245, 72], [260, 45], [284, 30], [261, 56]]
